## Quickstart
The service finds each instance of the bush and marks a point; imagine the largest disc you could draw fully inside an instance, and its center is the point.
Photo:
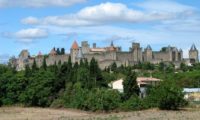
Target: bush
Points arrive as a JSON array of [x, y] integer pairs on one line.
[[172, 97], [152, 98], [104, 100], [167, 96], [0, 103], [94, 100], [58, 103], [134, 103], [78, 97]]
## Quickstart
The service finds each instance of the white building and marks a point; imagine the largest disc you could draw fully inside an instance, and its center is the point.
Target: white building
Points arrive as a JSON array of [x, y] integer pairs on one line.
[[141, 81]]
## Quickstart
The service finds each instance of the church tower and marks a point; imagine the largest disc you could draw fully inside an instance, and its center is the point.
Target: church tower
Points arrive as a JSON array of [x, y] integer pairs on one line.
[[193, 54], [74, 51]]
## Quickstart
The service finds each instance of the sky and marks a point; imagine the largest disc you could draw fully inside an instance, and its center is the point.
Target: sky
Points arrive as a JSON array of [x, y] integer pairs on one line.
[[40, 25]]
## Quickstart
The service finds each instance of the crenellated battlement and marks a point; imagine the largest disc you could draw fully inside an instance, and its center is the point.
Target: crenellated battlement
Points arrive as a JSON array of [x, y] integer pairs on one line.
[[107, 55]]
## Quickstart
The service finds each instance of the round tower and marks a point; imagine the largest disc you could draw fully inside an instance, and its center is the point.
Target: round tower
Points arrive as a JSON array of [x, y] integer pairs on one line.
[[74, 51]]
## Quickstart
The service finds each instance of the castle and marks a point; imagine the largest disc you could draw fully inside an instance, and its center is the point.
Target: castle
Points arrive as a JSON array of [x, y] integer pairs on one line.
[[107, 55]]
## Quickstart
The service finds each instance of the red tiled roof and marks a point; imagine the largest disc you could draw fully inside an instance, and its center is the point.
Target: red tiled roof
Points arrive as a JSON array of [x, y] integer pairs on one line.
[[145, 79], [97, 49], [75, 45]]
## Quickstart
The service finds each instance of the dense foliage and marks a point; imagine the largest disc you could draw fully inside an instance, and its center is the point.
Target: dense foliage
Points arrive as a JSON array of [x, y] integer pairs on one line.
[[84, 85], [130, 85], [166, 96]]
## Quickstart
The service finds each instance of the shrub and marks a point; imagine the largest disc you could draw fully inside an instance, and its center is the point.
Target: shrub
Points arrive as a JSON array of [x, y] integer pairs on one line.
[[134, 103], [102, 99], [78, 98], [167, 96], [58, 103], [94, 99], [152, 98], [171, 96]]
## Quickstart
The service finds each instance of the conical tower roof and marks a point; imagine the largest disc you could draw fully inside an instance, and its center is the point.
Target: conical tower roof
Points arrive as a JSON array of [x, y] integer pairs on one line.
[[148, 47], [193, 47], [75, 45], [39, 54], [111, 44]]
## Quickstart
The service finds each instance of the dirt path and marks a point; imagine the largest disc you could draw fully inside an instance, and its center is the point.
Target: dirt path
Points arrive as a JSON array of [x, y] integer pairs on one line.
[[19, 113]]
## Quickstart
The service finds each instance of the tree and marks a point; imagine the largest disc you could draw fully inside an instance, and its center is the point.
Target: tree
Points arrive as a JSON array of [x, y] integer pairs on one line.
[[44, 64], [96, 78], [58, 51], [148, 66], [170, 68], [69, 63], [133, 103], [81, 63], [167, 96], [59, 63], [63, 76], [183, 67], [83, 76], [93, 73], [39, 91], [86, 64], [130, 85], [114, 67], [171, 96], [34, 66], [161, 66], [73, 74], [100, 99], [163, 49], [62, 51], [27, 71]]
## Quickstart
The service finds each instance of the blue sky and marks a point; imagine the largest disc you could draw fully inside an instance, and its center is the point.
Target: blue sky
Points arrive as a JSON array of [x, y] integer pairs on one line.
[[40, 25]]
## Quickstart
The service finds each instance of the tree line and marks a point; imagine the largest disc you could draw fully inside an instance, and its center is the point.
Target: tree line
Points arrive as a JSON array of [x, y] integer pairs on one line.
[[83, 86]]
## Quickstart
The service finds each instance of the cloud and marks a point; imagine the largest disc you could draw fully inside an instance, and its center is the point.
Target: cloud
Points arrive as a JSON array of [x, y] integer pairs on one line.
[[109, 13], [68, 36], [39, 3], [188, 17], [27, 35], [118, 38], [30, 20], [187, 25], [32, 33], [165, 6]]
